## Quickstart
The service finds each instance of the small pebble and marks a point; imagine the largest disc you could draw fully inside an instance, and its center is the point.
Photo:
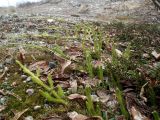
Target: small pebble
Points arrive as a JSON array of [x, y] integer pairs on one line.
[[30, 91], [52, 65], [3, 100], [50, 20], [41, 42], [6, 69], [5, 78], [28, 79], [145, 55], [28, 118], [47, 106], [37, 107], [23, 76]]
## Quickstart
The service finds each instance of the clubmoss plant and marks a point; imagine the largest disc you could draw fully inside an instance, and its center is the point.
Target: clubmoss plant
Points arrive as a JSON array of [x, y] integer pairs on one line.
[[97, 39], [127, 52], [89, 65], [92, 109], [122, 104], [156, 115], [115, 60], [154, 72], [100, 72], [152, 97], [59, 51], [49, 92]]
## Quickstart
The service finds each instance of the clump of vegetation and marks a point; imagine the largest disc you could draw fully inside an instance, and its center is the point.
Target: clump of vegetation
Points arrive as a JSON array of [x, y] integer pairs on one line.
[[89, 63], [95, 51], [92, 109], [122, 104], [156, 115], [49, 92]]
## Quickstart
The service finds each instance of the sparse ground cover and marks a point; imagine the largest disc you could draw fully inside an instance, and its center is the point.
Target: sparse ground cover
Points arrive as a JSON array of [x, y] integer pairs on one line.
[[80, 69]]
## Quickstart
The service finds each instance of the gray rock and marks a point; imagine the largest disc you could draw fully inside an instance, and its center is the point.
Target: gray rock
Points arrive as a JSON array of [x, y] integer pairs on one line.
[[30, 91], [3, 100], [28, 118], [52, 65]]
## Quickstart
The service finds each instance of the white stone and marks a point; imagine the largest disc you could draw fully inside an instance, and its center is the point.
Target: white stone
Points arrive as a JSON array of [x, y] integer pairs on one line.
[[28, 118], [30, 91], [37, 107]]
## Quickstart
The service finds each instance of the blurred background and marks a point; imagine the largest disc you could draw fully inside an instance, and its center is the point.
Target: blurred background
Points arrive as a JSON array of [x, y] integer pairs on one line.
[[5, 3], [96, 10]]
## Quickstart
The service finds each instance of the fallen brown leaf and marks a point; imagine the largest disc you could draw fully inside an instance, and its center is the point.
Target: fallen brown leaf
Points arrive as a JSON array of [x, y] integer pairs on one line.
[[22, 53], [94, 118], [103, 96], [88, 81], [73, 86], [137, 115], [75, 116], [65, 65], [118, 52], [156, 55], [42, 65], [137, 108], [2, 107], [54, 118]]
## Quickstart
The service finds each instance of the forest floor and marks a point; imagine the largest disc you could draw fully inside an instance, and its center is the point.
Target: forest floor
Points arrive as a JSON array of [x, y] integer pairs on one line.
[[57, 69]]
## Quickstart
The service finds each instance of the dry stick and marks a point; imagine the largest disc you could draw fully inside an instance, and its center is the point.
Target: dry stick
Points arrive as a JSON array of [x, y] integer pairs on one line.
[[11, 94], [142, 93], [4, 72]]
